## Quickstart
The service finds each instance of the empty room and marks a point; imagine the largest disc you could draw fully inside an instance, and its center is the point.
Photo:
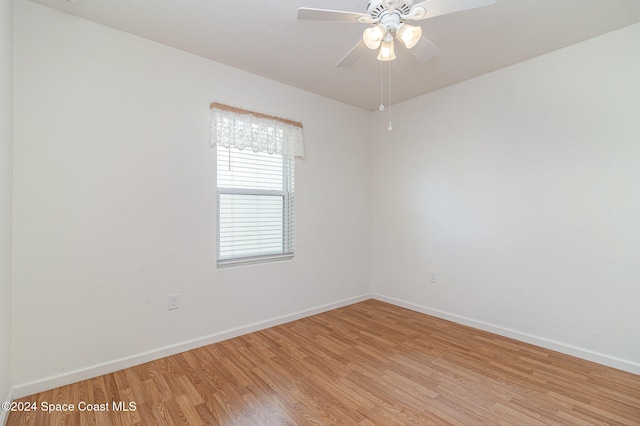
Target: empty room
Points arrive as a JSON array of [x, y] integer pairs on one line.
[[319, 212]]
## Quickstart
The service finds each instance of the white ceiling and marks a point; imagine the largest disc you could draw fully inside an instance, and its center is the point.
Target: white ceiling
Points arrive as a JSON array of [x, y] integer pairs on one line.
[[265, 38]]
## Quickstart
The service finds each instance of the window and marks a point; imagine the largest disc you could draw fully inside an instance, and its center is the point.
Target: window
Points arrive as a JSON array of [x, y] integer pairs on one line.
[[255, 184], [255, 205]]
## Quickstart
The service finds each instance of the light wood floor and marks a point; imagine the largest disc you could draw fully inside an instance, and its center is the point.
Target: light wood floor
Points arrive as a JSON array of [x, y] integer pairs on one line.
[[366, 364]]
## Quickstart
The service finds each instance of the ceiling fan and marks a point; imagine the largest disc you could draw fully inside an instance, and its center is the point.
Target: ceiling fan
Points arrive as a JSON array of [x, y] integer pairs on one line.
[[387, 19]]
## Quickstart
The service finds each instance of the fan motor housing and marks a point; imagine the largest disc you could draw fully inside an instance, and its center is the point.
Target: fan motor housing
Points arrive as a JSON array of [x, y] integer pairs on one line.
[[376, 8]]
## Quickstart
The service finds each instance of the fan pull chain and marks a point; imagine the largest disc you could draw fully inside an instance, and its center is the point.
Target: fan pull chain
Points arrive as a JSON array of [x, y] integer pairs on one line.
[[381, 107], [389, 100]]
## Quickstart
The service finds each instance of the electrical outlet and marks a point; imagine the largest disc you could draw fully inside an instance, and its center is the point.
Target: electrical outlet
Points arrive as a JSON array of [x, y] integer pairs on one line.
[[433, 277], [174, 301]]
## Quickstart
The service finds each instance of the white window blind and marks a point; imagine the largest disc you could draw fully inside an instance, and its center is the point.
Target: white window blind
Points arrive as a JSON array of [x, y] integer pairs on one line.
[[255, 172], [256, 206]]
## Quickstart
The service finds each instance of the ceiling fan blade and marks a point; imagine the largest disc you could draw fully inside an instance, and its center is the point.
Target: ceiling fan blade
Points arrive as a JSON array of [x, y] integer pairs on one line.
[[424, 51], [353, 55], [333, 15], [431, 8]]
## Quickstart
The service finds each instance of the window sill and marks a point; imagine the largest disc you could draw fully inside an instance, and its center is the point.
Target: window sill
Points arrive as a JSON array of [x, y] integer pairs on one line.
[[253, 260]]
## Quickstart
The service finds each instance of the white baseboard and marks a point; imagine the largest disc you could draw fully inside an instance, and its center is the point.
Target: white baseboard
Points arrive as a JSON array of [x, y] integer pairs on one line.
[[25, 389], [4, 415], [610, 361]]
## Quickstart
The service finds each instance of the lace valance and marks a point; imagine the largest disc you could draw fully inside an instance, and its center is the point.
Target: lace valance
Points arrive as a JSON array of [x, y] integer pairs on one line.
[[242, 129]]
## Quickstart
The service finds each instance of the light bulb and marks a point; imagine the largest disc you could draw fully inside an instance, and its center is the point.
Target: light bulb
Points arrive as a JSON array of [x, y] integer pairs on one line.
[[386, 51], [373, 36], [409, 35]]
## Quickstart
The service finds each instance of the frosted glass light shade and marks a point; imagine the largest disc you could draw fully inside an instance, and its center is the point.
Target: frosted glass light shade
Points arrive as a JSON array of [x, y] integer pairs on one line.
[[387, 53], [409, 35], [373, 36]]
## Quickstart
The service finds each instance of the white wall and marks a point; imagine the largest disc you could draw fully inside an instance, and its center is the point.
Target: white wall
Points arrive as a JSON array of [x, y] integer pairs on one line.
[[521, 189], [6, 162], [115, 202]]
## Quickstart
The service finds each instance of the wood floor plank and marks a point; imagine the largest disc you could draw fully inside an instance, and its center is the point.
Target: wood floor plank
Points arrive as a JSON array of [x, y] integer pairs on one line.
[[370, 363]]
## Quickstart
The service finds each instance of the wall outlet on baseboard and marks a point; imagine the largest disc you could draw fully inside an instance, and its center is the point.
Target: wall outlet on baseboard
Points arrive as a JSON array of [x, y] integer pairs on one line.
[[433, 277], [174, 301]]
